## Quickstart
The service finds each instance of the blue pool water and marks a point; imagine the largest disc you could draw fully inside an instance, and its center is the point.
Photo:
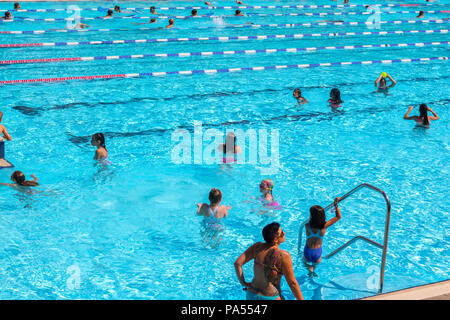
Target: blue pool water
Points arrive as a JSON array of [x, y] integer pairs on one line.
[[129, 230]]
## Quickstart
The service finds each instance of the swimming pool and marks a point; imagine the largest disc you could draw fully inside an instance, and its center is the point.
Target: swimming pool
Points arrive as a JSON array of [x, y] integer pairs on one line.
[[129, 231]]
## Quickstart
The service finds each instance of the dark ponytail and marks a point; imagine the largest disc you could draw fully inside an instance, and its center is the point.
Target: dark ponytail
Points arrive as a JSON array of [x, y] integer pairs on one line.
[[100, 138], [423, 109], [19, 178]]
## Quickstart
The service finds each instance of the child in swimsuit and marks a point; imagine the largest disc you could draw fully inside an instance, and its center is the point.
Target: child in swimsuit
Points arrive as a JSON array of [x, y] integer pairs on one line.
[[315, 230], [298, 95], [335, 98], [381, 85], [101, 154], [19, 180], [266, 187], [213, 213], [229, 149]]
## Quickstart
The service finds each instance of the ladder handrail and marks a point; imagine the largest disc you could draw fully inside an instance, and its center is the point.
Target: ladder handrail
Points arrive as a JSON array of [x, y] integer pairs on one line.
[[386, 231]]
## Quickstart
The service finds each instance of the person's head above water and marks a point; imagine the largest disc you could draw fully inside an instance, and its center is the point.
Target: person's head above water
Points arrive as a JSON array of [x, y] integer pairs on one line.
[[110, 13], [297, 93], [171, 21], [266, 186], [16, 5], [215, 196], [152, 10], [317, 217], [117, 9], [194, 12], [98, 140], [230, 143], [421, 14], [238, 13], [273, 234], [19, 178], [152, 20], [335, 95], [423, 110], [7, 15]]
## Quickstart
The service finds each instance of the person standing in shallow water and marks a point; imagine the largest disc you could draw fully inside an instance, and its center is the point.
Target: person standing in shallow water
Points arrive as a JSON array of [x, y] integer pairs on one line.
[[270, 264], [98, 140], [423, 119]]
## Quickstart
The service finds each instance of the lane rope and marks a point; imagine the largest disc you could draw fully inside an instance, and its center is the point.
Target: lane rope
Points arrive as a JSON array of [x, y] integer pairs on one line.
[[224, 70], [226, 52], [240, 7], [240, 38], [321, 14]]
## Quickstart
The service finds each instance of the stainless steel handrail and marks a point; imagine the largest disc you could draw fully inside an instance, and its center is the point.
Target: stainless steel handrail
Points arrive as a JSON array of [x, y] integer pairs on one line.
[[386, 230]]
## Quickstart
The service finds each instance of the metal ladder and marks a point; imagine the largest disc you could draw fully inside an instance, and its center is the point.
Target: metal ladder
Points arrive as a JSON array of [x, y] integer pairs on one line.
[[345, 245]]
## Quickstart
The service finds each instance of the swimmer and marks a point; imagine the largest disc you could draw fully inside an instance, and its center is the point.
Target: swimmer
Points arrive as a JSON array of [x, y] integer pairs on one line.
[[238, 13], [117, 9], [213, 213], [266, 188], [345, 1], [238, 2], [315, 230], [270, 264], [81, 26], [335, 98], [208, 3], [298, 95], [194, 12], [171, 22], [380, 83], [18, 179], [229, 149], [3, 132], [7, 16], [423, 119], [98, 140], [109, 14], [17, 6], [421, 14], [152, 20], [153, 10]]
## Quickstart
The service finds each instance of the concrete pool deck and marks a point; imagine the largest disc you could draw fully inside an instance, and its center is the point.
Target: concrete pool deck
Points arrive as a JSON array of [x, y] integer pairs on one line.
[[433, 291]]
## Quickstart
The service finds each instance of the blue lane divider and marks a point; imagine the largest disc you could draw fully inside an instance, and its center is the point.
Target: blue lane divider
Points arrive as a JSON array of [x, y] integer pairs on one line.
[[240, 38], [224, 70]]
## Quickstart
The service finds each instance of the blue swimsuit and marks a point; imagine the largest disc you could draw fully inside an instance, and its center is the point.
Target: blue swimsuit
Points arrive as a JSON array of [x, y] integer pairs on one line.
[[312, 255]]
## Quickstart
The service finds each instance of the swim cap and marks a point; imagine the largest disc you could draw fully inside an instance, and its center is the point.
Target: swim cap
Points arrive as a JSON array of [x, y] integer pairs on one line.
[[384, 74]]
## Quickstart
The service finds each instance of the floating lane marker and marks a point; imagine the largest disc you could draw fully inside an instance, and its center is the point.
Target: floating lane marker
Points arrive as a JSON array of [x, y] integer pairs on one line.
[[239, 7], [224, 70], [229, 52], [221, 16], [287, 25], [239, 38]]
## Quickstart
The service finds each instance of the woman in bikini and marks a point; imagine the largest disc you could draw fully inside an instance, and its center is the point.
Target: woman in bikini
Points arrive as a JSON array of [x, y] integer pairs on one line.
[[270, 264], [423, 119]]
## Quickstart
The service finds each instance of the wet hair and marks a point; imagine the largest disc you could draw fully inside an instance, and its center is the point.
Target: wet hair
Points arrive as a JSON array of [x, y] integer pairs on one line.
[[152, 20], [336, 95], [317, 219], [268, 184], [100, 138], [384, 80], [117, 8], [194, 11], [297, 90], [238, 11], [171, 21], [421, 13], [16, 5], [110, 12], [215, 196], [423, 109], [19, 178], [7, 15], [270, 232], [231, 138], [152, 9]]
